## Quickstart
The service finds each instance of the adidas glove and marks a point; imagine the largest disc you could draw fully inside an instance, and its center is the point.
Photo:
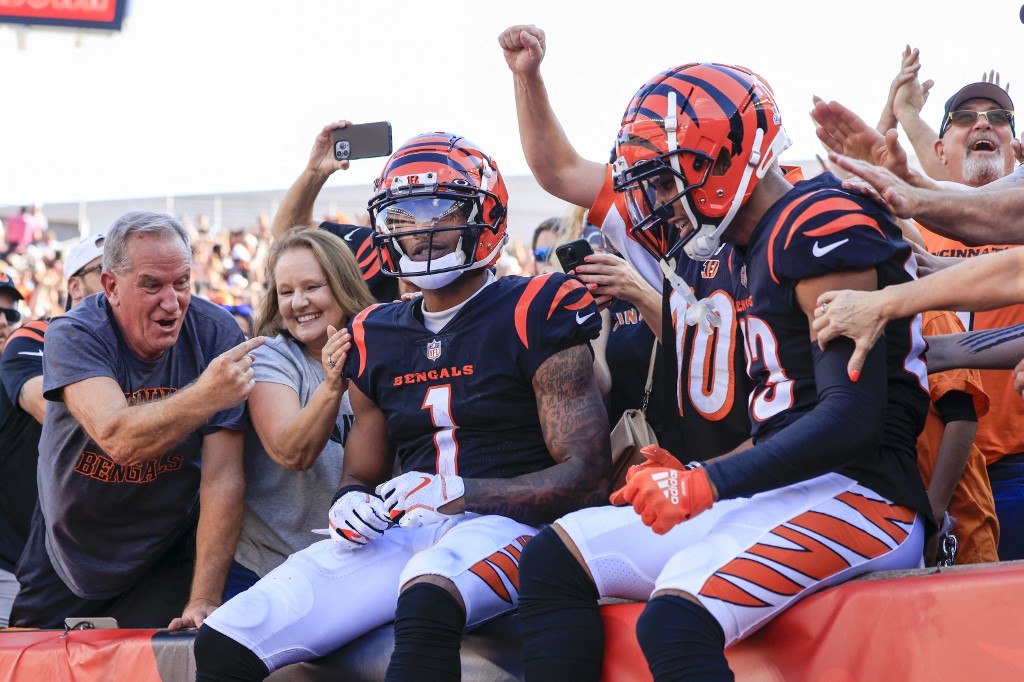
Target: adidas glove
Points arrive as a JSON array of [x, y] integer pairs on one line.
[[654, 456], [665, 497], [357, 517], [413, 499]]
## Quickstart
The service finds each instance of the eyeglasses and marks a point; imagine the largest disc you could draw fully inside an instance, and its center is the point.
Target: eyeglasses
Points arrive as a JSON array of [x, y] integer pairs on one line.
[[243, 310], [542, 255], [12, 315], [85, 271], [967, 117]]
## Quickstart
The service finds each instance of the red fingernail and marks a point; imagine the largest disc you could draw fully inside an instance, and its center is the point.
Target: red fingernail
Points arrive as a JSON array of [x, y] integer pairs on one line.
[[855, 375]]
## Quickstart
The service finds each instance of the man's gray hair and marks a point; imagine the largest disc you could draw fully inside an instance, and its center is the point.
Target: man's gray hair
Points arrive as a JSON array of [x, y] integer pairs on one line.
[[115, 249]]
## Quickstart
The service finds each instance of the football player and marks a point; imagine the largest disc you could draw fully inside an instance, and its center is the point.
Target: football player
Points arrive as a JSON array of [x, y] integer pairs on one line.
[[708, 415], [829, 489], [484, 391]]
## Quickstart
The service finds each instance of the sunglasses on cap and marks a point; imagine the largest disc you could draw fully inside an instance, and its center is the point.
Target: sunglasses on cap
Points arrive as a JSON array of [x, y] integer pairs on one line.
[[12, 315], [244, 310], [542, 255], [968, 117], [85, 271]]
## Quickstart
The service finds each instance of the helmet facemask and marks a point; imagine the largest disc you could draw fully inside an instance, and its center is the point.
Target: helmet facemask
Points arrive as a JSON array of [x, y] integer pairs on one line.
[[439, 210]]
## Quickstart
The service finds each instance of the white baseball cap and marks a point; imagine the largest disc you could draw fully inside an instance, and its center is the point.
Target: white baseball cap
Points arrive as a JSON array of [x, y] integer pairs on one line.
[[82, 253]]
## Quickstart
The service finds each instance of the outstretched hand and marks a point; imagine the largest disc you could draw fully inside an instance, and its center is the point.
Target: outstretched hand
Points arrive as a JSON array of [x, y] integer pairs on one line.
[[856, 315], [900, 197], [524, 48], [845, 133], [911, 94], [228, 379]]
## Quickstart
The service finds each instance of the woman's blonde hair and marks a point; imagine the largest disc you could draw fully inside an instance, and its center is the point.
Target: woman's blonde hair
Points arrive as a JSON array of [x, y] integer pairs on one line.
[[338, 264]]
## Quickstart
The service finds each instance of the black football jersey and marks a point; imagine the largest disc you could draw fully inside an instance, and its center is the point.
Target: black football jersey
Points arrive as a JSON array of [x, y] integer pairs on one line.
[[461, 401], [19, 440], [815, 229], [708, 377]]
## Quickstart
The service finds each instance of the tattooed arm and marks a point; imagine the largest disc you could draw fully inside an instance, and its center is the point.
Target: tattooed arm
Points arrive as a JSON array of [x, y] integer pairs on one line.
[[575, 426], [986, 349]]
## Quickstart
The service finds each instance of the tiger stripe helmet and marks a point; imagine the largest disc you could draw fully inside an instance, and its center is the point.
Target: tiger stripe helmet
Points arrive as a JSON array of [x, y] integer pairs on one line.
[[450, 173], [702, 134]]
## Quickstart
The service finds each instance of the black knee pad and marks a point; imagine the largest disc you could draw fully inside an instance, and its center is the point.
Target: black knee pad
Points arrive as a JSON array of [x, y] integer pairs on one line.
[[682, 641], [428, 635], [221, 659], [563, 634], [548, 571]]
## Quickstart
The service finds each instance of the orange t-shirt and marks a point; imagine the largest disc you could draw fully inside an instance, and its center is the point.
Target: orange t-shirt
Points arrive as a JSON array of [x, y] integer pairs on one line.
[[1001, 432], [977, 529]]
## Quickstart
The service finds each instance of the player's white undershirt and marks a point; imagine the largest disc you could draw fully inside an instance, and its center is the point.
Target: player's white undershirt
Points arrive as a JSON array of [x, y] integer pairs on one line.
[[435, 322]]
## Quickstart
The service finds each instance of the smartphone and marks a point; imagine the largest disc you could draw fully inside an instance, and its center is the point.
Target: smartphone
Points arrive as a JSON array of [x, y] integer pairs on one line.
[[362, 141], [571, 254]]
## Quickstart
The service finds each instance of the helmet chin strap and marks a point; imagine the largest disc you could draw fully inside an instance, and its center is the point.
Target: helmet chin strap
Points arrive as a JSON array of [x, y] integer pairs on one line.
[[700, 312]]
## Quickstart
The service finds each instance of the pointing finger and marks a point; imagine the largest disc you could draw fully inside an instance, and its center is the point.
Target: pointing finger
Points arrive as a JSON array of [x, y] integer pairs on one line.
[[245, 347]]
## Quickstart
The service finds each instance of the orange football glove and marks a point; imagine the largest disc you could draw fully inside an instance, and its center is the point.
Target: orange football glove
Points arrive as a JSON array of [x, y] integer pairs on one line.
[[656, 457], [665, 497]]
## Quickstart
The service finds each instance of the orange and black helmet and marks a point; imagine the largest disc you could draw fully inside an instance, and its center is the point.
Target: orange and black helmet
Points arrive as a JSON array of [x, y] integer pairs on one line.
[[444, 183], [700, 134]]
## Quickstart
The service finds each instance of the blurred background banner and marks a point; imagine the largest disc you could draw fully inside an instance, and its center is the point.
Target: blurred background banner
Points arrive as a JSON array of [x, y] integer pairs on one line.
[[105, 15]]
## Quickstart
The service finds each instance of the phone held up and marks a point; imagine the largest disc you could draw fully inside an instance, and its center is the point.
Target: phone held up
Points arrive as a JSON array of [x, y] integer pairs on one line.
[[362, 141], [571, 254]]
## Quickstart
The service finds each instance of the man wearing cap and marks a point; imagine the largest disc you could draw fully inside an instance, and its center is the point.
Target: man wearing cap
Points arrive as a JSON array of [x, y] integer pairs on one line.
[[22, 408], [974, 148]]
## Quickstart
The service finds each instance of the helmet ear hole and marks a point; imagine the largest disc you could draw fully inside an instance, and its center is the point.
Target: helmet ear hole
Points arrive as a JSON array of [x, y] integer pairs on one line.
[[722, 164]]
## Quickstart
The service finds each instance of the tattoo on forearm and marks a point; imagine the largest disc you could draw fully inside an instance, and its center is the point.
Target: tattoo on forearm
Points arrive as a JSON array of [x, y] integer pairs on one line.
[[575, 428], [979, 341]]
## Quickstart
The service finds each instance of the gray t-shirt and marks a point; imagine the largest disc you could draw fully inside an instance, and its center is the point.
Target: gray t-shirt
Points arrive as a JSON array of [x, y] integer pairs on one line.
[[107, 524], [282, 506]]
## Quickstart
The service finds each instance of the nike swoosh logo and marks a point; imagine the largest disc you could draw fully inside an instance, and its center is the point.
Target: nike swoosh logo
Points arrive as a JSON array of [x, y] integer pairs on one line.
[[348, 236], [820, 251], [581, 320], [37, 353], [426, 482]]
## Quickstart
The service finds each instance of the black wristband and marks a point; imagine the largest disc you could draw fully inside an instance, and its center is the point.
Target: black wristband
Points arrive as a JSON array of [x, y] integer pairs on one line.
[[344, 490]]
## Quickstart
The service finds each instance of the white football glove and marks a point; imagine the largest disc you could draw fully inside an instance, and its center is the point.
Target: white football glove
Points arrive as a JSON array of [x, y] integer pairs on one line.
[[414, 498], [356, 518]]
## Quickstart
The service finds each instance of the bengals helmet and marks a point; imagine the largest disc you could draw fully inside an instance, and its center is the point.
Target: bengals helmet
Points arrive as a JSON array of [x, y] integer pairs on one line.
[[698, 134], [437, 183]]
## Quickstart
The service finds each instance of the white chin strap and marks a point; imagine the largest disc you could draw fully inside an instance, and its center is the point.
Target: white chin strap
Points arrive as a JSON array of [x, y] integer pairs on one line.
[[700, 313]]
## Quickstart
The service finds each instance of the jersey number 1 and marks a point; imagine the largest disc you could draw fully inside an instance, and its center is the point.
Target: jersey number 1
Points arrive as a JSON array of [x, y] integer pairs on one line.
[[439, 401]]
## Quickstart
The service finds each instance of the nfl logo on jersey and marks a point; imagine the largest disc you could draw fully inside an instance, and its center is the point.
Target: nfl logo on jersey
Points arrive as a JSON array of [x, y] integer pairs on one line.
[[434, 350]]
